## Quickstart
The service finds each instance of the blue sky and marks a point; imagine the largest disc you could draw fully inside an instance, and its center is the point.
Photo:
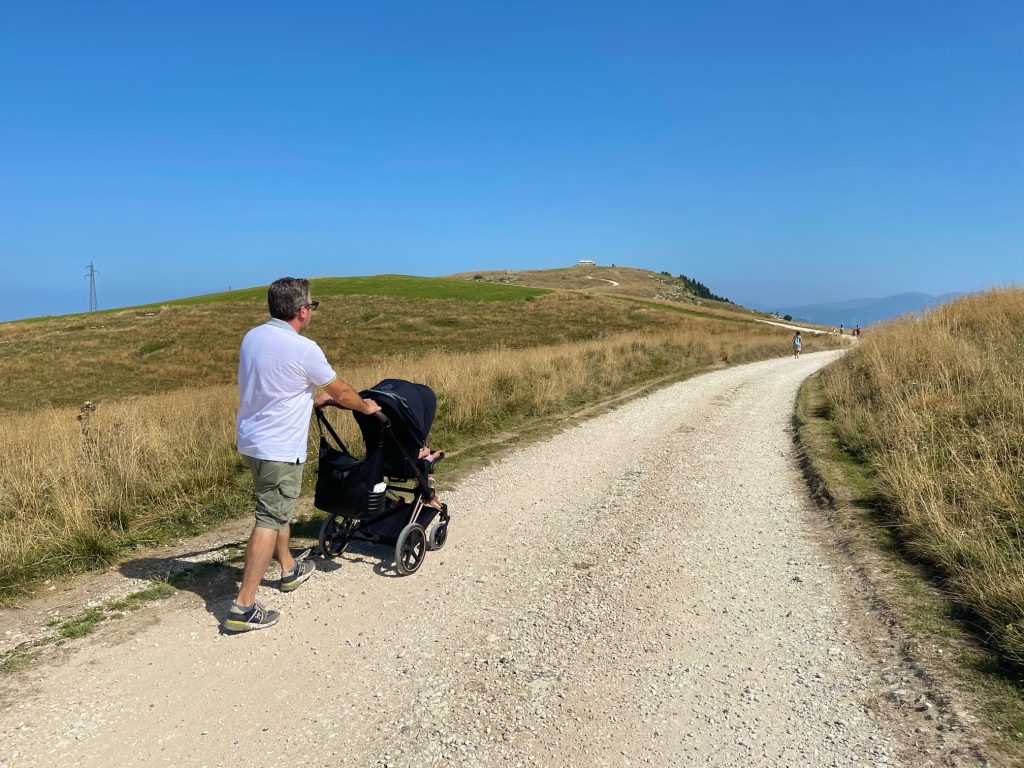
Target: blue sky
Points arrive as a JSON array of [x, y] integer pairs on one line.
[[782, 153]]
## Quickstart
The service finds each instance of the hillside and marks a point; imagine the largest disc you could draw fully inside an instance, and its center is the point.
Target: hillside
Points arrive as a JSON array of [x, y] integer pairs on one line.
[[614, 281], [193, 342], [932, 409]]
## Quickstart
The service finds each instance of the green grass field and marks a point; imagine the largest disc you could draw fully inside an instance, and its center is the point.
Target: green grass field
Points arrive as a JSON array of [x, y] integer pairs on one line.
[[398, 286]]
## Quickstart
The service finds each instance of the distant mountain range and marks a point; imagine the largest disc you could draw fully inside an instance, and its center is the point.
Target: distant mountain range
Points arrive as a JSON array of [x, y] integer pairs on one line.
[[864, 311]]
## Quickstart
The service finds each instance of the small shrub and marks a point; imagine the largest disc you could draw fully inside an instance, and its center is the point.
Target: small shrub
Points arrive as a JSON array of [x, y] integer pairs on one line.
[[154, 346]]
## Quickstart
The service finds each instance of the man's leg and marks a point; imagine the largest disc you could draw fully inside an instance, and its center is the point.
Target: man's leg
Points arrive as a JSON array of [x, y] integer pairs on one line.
[[262, 542], [275, 486], [293, 573], [281, 551]]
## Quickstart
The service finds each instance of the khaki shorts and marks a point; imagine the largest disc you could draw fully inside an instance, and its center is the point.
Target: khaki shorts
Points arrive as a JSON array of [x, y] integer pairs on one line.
[[276, 486]]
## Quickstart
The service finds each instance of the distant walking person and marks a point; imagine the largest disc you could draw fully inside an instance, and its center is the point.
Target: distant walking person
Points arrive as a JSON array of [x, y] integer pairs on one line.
[[798, 344], [857, 332], [278, 374]]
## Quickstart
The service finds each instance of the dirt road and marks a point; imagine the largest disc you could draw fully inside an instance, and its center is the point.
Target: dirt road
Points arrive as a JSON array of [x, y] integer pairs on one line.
[[651, 587], [791, 327]]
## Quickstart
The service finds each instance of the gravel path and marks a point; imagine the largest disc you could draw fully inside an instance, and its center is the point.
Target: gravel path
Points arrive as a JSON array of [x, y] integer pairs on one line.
[[650, 587], [791, 327]]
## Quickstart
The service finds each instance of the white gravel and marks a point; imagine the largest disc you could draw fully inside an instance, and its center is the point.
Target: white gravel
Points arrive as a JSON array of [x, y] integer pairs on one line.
[[647, 588]]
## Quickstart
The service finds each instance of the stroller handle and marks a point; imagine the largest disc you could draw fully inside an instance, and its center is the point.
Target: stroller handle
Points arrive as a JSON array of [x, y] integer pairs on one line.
[[379, 416]]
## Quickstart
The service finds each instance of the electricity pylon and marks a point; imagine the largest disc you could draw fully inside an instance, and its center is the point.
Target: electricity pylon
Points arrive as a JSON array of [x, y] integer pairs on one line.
[[91, 274]]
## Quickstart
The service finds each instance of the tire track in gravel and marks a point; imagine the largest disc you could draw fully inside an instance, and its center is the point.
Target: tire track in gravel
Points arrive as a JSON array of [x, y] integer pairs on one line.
[[646, 588]]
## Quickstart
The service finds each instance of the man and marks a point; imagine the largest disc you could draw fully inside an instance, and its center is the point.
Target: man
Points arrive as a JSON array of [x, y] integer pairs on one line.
[[278, 374]]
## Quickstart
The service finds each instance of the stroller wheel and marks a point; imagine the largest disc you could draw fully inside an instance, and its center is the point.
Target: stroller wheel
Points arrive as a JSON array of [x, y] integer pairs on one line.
[[438, 536], [335, 536], [410, 549]]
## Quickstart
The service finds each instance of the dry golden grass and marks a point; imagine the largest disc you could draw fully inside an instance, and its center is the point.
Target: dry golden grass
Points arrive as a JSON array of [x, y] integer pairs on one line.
[[75, 492], [936, 408], [144, 468]]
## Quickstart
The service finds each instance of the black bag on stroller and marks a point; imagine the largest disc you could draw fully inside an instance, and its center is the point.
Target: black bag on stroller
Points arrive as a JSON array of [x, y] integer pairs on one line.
[[344, 485], [383, 497]]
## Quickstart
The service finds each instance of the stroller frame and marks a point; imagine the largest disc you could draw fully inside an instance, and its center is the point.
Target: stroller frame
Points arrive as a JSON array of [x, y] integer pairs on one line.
[[403, 498]]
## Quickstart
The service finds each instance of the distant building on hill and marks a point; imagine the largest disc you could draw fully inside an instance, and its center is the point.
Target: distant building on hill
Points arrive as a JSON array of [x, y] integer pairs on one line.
[[586, 263]]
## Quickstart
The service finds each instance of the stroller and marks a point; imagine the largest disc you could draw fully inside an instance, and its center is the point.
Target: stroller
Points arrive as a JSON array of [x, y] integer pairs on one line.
[[382, 499]]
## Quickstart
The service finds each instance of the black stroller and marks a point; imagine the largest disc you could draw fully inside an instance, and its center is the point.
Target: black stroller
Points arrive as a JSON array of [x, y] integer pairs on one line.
[[383, 498]]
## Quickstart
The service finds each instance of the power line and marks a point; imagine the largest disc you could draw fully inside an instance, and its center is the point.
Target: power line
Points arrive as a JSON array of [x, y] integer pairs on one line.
[[91, 274]]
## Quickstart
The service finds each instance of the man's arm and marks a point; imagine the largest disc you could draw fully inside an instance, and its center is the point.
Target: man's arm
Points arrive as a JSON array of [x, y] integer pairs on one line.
[[340, 394]]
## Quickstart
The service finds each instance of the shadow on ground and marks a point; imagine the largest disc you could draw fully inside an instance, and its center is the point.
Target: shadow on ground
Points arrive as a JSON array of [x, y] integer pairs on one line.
[[214, 574]]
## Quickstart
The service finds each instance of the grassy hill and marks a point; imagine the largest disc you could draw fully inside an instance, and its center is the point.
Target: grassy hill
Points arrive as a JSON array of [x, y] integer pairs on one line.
[[615, 281], [400, 286], [194, 342]]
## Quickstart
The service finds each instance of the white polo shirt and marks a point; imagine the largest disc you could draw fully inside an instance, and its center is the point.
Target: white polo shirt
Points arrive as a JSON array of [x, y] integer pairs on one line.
[[278, 373]]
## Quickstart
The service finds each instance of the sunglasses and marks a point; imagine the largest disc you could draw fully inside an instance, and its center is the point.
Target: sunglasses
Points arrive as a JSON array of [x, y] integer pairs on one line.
[[312, 305]]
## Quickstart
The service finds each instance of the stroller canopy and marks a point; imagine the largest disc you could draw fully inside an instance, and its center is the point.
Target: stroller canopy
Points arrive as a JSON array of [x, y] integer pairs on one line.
[[410, 407]]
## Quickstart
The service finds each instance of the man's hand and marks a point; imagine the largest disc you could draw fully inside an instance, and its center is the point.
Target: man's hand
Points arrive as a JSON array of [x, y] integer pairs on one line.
[[370, 406], [322, 399]]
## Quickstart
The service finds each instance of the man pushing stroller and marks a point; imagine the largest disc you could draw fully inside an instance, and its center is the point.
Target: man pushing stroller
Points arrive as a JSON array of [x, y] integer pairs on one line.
[[278, 374]]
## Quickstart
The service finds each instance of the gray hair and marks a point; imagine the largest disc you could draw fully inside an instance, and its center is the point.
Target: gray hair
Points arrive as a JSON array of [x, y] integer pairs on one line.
[[286, 296]]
